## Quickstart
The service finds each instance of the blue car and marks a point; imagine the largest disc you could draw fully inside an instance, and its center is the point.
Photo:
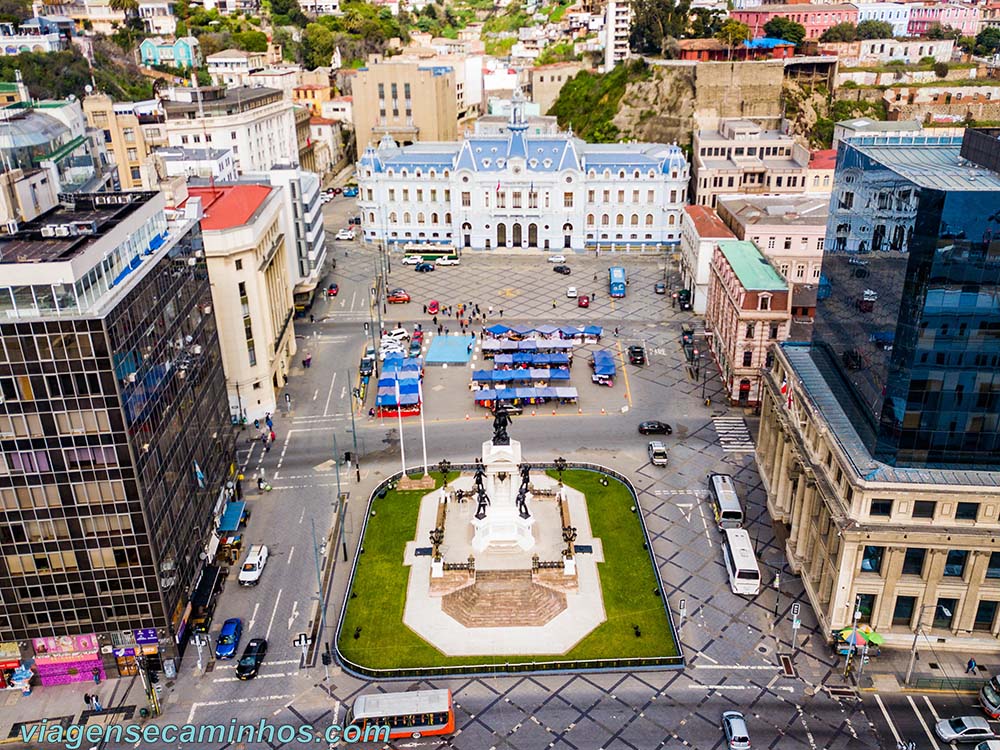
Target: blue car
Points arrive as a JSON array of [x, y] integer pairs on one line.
[[229, 638]]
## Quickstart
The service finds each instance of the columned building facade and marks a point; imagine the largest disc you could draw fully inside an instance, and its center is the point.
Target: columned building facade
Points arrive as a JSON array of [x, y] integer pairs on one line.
[[551, 192]]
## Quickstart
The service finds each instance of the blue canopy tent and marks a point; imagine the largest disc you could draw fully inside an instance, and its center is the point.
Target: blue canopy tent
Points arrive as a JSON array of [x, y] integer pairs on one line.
[[569, 331], [497, 329], [547, 329], [604, 363], [232, 517], [593, 331]]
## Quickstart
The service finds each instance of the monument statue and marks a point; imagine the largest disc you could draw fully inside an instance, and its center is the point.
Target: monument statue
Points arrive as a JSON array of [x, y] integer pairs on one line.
[[525, 471], [500, 421], [480, 474], [483, 501], [522, 503]]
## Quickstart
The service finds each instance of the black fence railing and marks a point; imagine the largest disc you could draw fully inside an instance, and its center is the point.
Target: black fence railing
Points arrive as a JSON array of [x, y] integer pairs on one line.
[[527, 665]]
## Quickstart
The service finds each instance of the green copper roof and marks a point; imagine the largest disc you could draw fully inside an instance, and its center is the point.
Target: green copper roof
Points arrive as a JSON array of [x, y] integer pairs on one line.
[[751, 268]]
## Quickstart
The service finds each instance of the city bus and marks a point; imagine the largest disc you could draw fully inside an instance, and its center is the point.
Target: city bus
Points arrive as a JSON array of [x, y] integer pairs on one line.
[[418, 713], [430, 251], [741, 563], [616, 281]]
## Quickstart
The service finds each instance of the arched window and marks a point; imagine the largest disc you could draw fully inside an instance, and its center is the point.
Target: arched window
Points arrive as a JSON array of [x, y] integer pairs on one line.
[[447, 218], [620, 220], [406, 217], [371, 217], [434, 218], [392, 217], [636, 174], [621, 174], [590, 220], [634, 221], [649, 220], [671, 220], [605, 220], [420, 217]]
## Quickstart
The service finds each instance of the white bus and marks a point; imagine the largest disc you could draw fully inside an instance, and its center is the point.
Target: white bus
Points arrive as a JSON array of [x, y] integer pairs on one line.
[[725, 502], [741, 563], [417, 713]]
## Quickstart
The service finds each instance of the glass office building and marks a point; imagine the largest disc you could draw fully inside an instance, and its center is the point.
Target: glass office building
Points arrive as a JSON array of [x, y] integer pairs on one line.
[[907, 332], [115, 435]]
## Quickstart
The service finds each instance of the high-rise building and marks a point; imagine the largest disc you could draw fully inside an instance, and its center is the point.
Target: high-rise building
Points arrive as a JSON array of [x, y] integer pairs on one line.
[[879, 446], [617, 30], [910, 325], [124, 137], [115, 436]]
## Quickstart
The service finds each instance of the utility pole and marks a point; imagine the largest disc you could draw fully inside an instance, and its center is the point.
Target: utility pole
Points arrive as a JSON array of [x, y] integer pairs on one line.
[[354, 429], [319, 581]]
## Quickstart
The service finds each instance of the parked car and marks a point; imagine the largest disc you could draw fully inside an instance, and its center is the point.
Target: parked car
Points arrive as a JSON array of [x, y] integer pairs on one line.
[[571, 292], [513, 410], [964, 729], [351, 191], [657, 453], [253, 565], [583, 301], [433, 307], [660, 287], [988, 745], [229, 638], [398, 297], [412, 260], [345, 234], [414, 349], [557, 259], [655, 427], [367, 367], [253, 656], [396, 333], [989, 697], [734, 727], [451, 260], [637, 355], [564, 270], [333, 290], [423, 267]]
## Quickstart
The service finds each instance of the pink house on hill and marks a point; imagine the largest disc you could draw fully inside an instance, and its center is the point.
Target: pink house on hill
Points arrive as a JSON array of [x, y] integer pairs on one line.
[[815, 18]]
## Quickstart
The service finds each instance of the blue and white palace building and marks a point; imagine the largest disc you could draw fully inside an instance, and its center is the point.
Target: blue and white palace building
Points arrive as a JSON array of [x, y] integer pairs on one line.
[[523, 190]]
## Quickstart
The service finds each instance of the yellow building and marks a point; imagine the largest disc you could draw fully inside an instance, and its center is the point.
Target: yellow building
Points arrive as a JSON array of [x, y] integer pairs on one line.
[[313, 95], [124, 139]]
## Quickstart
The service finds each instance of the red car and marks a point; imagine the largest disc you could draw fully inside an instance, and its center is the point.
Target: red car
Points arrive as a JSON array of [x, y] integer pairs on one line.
[[332, 290], [583, 301], [433, 307], [398, 297]]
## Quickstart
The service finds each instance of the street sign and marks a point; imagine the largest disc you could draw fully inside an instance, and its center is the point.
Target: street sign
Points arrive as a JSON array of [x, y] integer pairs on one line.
[[795, 609], [796, 623], [302, 640]]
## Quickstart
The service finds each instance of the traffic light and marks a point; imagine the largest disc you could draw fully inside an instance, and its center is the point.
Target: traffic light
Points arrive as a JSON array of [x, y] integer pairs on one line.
[[327, 659]]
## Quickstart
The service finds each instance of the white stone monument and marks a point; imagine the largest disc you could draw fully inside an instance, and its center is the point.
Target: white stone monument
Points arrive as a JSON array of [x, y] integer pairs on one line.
[[503, 528]]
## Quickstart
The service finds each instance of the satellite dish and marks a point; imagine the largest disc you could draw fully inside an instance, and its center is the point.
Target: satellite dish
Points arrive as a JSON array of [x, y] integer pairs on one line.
[[88, 88]]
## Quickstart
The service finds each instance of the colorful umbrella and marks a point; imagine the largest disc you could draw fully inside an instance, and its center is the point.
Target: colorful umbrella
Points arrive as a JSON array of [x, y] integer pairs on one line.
[[875, 639], [853, 638]]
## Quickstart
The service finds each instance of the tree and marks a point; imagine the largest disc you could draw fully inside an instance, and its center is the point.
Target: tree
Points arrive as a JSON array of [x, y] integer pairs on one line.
[[250, 41], [705, 23], [988, 41], [937, 31], [941, 69], [733, 33], [840, 32], [872, 29], [317, 46], [785, 28], [655, 23], [127, 7]]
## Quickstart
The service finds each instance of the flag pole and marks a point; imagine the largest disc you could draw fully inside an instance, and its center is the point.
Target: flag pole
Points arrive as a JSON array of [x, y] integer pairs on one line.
[[423, 433], [399, 416]]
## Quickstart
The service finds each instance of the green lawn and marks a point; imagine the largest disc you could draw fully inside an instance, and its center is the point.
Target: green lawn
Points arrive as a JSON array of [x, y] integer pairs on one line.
[[627, 580]]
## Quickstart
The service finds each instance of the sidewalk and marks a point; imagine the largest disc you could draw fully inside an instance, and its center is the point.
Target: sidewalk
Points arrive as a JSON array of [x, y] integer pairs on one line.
[[121, 698], [932, 671]]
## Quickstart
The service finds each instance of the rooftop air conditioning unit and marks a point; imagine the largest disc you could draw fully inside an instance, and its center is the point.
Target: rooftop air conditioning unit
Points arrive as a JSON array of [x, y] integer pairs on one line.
[[192, 261], [62, 230], [49, 230], [206, 309]]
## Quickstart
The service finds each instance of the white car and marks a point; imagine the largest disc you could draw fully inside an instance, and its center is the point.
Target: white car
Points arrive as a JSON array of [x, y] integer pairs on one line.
[[396, 333], [571, 292], [447, 261], [557, 259], [253, 565], [345, 234], [412, 260]]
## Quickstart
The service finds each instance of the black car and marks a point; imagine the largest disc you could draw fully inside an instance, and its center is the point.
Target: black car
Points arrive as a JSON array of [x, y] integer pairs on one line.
[[367, 367], [423, 267], [253, 656], [654, 427], [637, 355], [564, 270]]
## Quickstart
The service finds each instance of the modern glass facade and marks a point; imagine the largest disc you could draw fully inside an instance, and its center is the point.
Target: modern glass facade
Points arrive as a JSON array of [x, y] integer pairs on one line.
[[909, 334], [115, 441]]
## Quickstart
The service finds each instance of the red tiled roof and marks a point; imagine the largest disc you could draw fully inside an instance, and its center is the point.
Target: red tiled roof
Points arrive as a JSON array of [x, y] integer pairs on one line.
[[700, 44], [826, 159], [321, 121], [229, 206], [707, 223]]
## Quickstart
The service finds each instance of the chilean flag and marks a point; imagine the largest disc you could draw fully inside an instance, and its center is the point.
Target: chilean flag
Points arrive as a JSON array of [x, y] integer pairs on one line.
[[784, 386]]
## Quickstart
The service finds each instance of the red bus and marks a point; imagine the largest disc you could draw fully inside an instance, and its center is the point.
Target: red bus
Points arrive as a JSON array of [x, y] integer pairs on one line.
[[418, 713]]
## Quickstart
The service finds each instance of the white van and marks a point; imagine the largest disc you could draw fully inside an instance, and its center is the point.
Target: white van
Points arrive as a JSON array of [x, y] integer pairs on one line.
[[253, 565], [725, 502], [741, 563]]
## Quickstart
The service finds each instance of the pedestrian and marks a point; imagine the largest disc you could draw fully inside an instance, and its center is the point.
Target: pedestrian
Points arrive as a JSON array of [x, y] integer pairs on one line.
[[307, 362], [312, 318], [87, 698], [616, 332], [439, 329], [595, 277], [434, 320], [490, 310], [256, 423], [446, 330], [971, 666], [470, 347], [96, 702], [553, 304], [260, 484], [273, 436], [371, 413], [96, 674], [501, 312]]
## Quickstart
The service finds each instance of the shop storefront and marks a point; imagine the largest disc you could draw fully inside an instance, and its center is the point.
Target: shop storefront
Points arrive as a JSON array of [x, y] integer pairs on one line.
[[10, 662], [64, 659]]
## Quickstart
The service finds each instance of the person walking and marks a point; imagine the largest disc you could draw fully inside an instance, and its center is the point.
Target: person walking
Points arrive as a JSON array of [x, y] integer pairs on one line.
[[307, 362], [489, 310], [970, 667], [553, 304], [256, 423], [434, 320], [96, 702], [501, 312], [96, 674], [87, 698], [273, 436]]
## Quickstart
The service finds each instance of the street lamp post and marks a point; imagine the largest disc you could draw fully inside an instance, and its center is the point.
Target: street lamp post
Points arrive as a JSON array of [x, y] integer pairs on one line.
[[916, 635], [355, 393]]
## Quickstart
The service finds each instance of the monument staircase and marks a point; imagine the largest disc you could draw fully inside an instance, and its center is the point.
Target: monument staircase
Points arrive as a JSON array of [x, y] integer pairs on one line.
[[503, 598]]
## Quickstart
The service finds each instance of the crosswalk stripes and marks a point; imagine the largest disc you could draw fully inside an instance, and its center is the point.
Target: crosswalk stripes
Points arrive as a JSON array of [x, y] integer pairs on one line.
[[734, 437]]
